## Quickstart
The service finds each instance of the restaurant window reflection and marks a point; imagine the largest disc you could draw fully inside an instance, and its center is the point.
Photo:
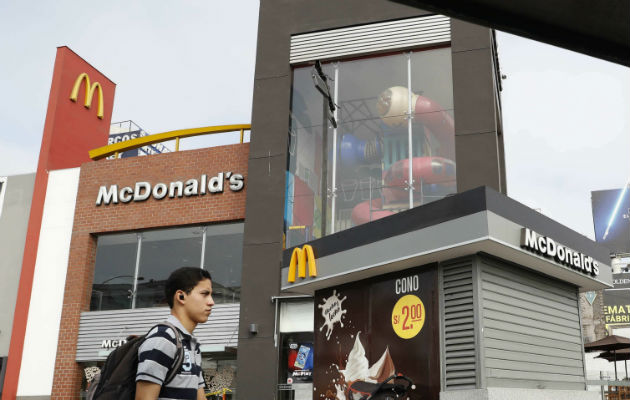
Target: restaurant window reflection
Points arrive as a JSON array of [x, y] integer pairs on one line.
[[131, 268], [162, 252], [223, 258], [114, 271]]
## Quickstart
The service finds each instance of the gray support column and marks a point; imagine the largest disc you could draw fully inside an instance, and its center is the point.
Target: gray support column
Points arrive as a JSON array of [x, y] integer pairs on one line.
[[257, 362], [477, 146]]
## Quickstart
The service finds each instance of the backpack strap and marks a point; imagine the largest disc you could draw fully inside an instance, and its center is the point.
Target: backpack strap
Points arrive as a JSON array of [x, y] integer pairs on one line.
[[179, 355]]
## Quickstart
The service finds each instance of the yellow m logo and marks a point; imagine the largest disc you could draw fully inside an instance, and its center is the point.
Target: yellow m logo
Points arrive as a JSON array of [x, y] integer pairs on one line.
[[299, 259], [89, 93]]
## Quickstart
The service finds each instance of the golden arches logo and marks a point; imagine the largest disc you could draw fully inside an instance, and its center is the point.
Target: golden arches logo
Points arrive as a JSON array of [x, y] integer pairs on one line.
[[89, 93], [300, 258]]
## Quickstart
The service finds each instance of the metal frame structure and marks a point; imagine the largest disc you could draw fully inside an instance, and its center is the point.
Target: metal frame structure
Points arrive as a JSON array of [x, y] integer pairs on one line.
[[114, 149]]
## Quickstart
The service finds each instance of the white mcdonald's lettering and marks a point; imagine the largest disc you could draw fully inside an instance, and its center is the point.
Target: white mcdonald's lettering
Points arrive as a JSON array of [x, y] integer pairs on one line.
[[141, 191], [107, 196], [299, 259], [530, 239], [547, 247], [89, 93], [109, 343]]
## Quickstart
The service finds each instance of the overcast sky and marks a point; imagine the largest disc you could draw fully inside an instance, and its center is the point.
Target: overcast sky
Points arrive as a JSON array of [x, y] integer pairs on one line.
[[566, 116]]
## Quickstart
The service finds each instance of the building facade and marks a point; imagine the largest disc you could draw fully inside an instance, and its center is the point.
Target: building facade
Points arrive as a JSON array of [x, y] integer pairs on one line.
[[92, 243], [364, 231], [460, 55], [117, 243], [373, 127]]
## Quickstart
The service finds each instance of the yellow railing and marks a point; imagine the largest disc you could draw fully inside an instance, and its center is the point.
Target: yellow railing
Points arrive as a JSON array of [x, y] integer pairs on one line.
[[116, 148], [221, 392]]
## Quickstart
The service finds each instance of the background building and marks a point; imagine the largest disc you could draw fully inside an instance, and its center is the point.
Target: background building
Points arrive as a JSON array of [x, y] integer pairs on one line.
[[16, 193], [92, 243], [456, 60], [378, 110]]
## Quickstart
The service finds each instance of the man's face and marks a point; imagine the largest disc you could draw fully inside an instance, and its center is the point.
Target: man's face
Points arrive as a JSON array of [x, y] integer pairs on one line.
[[199, 302]]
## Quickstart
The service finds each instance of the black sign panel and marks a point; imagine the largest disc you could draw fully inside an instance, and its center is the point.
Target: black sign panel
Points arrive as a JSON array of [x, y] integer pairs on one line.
[[612, 225], [621, 281], [369, 330]]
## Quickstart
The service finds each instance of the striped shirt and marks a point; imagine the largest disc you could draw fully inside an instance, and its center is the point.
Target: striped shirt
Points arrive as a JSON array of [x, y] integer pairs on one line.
[[157, 354]]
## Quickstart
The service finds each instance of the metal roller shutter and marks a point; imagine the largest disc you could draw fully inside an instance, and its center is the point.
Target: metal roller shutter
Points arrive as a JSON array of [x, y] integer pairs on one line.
[[459, 361], [391, 35], [96, 326]]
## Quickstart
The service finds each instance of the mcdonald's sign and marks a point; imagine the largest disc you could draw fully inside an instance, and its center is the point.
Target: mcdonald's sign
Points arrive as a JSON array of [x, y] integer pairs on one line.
[[89, 93], [300, 258]]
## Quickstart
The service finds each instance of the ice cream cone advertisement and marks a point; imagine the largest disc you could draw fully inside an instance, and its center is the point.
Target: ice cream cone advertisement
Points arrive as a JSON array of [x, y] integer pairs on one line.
[[369, 330]]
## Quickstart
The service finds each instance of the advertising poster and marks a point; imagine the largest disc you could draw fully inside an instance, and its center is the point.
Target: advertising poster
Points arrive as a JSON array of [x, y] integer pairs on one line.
[[613, 231], [369, 330], [617, 306], [300, 362]]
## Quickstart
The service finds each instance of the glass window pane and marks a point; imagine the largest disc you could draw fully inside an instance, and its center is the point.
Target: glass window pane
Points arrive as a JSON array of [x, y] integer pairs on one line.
[[308, 132], [432, 76], [307, 103], [223, 258], [114, 271], [359, 172], [162, 252], [433, 124], [374, 87]]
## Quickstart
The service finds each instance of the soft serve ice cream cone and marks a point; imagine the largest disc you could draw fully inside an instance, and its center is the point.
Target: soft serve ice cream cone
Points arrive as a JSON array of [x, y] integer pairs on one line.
[[357, 365]]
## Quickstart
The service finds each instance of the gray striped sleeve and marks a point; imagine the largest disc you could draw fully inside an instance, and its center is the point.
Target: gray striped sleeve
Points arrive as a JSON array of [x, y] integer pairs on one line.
[[202, 383], [156, 355]]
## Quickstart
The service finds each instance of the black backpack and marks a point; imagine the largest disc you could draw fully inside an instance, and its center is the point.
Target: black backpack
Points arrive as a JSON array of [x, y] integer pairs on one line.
[[117, 379]]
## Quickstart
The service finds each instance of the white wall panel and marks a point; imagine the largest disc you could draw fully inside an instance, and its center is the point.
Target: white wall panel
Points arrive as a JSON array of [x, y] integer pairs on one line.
[[297, 316], [51, 265], [531, 330]]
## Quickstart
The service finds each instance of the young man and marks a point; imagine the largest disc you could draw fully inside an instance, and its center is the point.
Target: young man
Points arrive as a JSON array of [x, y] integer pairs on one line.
[[189, 295]]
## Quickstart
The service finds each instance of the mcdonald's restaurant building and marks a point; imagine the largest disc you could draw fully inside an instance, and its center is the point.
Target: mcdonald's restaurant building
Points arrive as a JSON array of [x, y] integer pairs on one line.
[[364, 231], [88, 266], [377, 195]]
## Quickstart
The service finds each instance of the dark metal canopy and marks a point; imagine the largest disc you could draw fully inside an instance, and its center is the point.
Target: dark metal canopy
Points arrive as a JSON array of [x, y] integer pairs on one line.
[[609, 343], [618, 355], [598, 29], [617, 348]]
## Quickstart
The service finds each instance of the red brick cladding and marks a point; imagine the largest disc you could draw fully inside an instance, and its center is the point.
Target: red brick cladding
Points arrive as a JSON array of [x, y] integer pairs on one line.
[[90, 219]]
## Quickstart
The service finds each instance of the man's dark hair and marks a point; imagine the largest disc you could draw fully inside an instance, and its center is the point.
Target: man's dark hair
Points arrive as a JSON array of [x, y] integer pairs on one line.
[[185, 279]]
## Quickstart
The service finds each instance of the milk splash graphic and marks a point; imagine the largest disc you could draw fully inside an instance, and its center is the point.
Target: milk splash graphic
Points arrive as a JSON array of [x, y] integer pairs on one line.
[[332, 312]]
